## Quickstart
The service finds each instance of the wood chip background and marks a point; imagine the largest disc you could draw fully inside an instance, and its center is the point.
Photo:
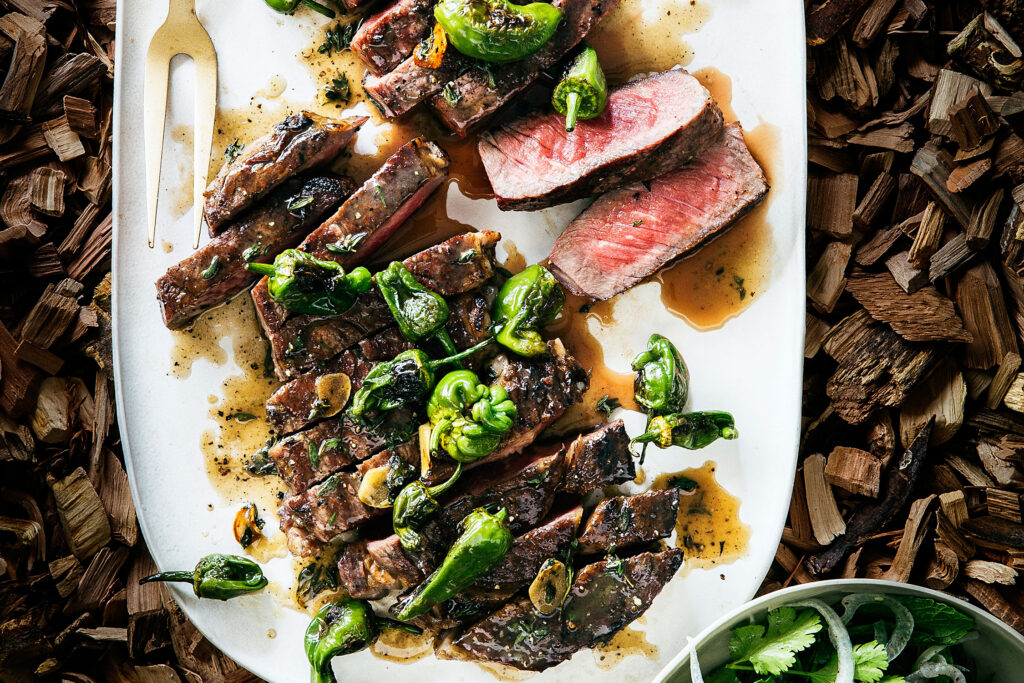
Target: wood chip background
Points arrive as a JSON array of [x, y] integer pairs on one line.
[[913, 446]]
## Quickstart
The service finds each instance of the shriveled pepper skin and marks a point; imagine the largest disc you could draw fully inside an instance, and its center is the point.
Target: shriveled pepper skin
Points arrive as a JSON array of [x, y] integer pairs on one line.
[[662, 381], [497, 30], [414, 505], [469, 418], [484, 541], [692, 431], [582, 94], [305, 284], [289, 6], [527, 302], [217, 576]]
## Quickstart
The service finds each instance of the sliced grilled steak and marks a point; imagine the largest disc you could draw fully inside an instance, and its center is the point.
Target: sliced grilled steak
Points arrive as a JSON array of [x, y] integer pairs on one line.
[[605, 597], [197, 283], [386, 38], [371, 215], [320, 451], [598, 459], [520, 565], [388, 555], [650, 127], [399, 91], [479, 93], [300, 142], [632, 232], [302, 342], [360, 576], [626, 521], [542, 388], [291, 407]]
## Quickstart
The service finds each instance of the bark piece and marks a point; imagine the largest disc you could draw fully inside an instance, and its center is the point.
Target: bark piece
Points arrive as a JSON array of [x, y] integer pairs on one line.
[[873, 22], [994, 602], [979, 297], [82, 517], [826, 521], [825, 20], [924, 315], [854, 470], [990, 52], [993, 532], [827, 279]]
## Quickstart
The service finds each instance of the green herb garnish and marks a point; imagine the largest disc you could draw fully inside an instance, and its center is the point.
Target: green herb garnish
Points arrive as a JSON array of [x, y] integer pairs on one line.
[[212, 269]]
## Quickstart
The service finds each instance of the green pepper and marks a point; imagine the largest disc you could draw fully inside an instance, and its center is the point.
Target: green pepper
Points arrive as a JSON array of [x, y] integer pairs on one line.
[[414, 506], [217, 576], [689, 430], [289, 6], [468, 419], [483, 542], [406, 380], [497, 30], [420, 313], [304, 284], [583, 91], [527, 302], [662, 381], [342, 628]]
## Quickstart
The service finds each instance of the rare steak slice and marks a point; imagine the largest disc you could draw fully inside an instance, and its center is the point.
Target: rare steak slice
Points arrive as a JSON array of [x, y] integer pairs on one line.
[[386, 38], [478, 93], [217, 272], [626, 521], [598, 459], [650, 126], [299, 343], [631, 233], [605, 597], [300, 142]]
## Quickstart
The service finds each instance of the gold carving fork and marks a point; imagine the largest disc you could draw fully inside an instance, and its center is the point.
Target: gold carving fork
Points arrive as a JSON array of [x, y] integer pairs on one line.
[[181, 33]]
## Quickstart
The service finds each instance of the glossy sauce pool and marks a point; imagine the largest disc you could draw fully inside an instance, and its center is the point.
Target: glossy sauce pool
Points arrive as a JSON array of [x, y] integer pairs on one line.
[[706, 289]]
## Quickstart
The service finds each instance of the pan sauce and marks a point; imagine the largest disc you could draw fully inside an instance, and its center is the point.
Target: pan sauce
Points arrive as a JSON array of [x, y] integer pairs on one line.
[[704, 289]]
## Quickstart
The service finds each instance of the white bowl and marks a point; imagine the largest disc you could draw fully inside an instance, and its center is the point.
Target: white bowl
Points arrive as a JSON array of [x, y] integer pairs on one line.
[[999, 651]]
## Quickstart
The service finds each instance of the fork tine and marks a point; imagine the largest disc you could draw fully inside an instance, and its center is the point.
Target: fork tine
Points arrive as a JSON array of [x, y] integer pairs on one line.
[[206, 115], [157, 71]]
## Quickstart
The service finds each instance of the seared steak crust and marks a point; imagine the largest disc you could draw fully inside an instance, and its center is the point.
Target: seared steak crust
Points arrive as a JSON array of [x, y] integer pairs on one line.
[[338, 443], [386, 38], [626, 521], [482, 92], [399, 91], [300, 142], [650, 127], [195, 284], [598, 459], [520, 565], [631, 233], [604, 599]]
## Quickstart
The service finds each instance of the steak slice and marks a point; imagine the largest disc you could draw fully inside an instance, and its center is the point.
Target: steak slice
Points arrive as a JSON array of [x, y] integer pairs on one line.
[[300, 142], [480, 93], [598, 459], [361, 576], [291, 407], [630, 233], [386, 38], [381, 205], [626, 521], [302, 342], [605, 597], [195, 284], [650, 127], [399, 91], [520, 565], [389, 556], [337, 444]]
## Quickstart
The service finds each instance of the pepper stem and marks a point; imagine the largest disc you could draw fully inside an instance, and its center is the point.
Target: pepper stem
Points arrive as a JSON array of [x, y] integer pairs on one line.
[[435, 433], [448, 345], [261, 268], [441, 488], [399, 626], [572, 110], [462, 354], [180, 577], [319, 9]]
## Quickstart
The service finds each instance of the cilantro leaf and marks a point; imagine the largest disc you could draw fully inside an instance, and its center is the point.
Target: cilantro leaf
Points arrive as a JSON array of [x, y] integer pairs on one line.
[[936, 623], [870, 663], [773, 651]]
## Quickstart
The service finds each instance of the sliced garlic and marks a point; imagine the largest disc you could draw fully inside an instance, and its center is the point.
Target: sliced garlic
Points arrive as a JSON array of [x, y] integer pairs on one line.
[[373, 490]]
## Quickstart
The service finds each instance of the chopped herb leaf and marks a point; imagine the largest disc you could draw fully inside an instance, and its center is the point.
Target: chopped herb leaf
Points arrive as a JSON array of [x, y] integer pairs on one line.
[[313, 453], [637, 224], [739, 286], [348, 245], [338, 38], [338, 90], [585, 308], [212, 269], [684, 483], [260, 463], [625, 517], [380, 195], [252, 253], [524, 631], [329, 485], [232, 151], [333, 516], [538, 479], [242, 417], [297, 204], [772, 650], [606, 404], [451, 93], [467, 256]]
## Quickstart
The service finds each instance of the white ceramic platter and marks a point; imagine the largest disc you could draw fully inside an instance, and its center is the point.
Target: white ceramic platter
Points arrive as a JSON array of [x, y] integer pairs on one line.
[[750, 366]]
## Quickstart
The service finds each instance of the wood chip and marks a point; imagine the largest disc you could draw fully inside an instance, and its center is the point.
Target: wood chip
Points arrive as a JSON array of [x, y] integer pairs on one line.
[[81, 116], [47, 195], [990, 572], [66, 573], [908, 276], [1012, 112], [933, 166], [117, 500], [1004, 377], [64, 142], [929, 235], [954, 255], [98, 581], [873, 21], [925, 315], [950, 89], [983, 220], [989, 51], [825, 20], [82, 516], [21, 82], [831, 200], [972, 120], [964, 176], [878, 246], [854, 470], [1014, 396], [897, 138], [995, 603], [993, 532], [979, 297], [826, 521], [943, 568], [942, 397], [827, 279], [1004, 504], [919, 523], [877, 199], [814, 333]]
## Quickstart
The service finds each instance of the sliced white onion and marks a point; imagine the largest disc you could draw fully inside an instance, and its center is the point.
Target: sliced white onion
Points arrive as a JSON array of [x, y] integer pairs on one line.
[[838, 634], [928, 655], [904, 619], [936, 669], [695, 674]]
